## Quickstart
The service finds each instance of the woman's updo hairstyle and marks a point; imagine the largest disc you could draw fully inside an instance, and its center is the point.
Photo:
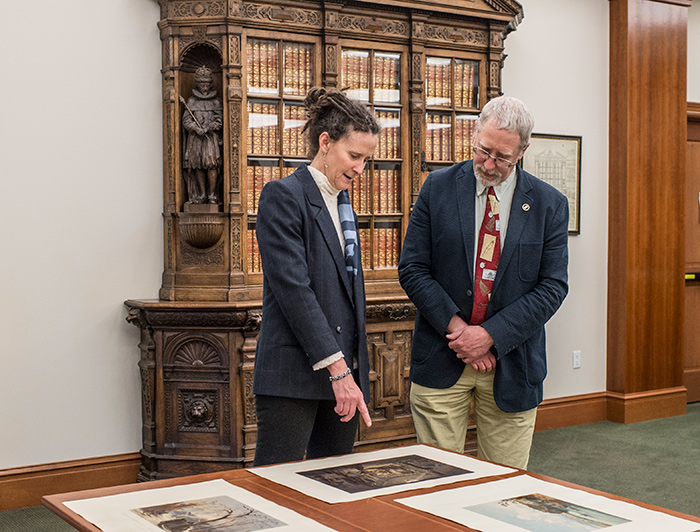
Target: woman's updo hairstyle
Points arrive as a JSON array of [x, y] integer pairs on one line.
[[331, 111]]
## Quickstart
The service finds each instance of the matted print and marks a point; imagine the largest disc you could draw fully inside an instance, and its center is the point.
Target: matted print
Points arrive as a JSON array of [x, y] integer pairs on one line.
[[527, 504], [540, 513], [378, 474], [215, 513], [214, 506], [556, 159], [370, 474]]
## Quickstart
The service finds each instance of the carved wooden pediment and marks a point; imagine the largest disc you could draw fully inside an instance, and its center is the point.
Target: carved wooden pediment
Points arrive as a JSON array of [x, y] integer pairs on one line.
[[510, 11]]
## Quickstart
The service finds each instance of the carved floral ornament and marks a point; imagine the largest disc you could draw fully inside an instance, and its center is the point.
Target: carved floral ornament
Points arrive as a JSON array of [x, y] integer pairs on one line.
[[366, 24], [268, 13], [258, 11], [449, 33], [198, 9]]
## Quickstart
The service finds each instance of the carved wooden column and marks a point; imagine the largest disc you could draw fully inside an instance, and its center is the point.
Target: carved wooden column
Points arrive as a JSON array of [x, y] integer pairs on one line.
[[648, 41], [417, 105]]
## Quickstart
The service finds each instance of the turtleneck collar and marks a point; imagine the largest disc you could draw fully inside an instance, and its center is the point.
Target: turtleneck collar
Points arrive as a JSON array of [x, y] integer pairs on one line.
[[322, 182]]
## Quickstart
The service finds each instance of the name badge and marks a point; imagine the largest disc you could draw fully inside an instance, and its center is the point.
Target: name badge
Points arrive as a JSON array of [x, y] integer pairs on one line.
[[488, 275]]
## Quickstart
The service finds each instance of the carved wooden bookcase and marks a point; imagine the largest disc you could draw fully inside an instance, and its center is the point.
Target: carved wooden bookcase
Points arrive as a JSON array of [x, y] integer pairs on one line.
[[424, 67]]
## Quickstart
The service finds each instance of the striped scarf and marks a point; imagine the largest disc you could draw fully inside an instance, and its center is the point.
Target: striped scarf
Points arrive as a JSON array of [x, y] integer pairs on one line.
[[347, 224]]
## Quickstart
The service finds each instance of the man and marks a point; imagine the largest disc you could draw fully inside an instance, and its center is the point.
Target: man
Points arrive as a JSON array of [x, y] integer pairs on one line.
[[483, 294]]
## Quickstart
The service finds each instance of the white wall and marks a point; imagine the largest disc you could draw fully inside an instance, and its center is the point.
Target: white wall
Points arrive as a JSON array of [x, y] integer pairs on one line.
[[82, 195], [566, 88], [80, 211]]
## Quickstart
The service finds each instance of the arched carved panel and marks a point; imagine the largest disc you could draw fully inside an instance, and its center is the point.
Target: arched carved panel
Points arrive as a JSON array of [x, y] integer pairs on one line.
[[197, 353], [195, 350]]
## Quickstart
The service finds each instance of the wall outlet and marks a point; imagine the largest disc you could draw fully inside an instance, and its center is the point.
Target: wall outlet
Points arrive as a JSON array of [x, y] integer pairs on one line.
[[576, 360]]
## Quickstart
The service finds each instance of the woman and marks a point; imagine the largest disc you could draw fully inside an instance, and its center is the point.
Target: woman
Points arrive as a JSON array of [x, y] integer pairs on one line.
[[311, 379]]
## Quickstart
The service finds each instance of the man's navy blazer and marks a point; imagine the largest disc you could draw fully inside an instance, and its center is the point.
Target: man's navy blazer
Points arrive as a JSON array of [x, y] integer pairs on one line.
[[436, 271], [310, 310]]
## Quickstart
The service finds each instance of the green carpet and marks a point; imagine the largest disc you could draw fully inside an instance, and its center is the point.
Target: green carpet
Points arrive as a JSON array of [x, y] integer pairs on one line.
[[657, 462]]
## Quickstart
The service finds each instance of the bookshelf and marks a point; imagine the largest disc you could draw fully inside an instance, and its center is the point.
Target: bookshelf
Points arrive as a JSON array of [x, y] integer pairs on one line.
[[452, 96], [424, 68]]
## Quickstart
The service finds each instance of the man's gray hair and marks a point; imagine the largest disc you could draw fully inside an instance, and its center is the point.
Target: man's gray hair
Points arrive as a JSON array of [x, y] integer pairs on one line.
[[506, 112]]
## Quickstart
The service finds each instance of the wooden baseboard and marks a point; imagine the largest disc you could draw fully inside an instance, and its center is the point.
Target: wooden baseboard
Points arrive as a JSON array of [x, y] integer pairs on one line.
[[643, 406], [25, 486], [570, 411]]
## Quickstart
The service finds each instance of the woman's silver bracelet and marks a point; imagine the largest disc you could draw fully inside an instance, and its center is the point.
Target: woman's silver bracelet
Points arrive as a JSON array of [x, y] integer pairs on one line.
[[340, 376]]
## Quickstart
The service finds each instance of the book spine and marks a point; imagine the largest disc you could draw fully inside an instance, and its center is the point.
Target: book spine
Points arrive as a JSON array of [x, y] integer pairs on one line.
[[251, 188], [429, 82], [251, 237], [394, 247], [257, 130], [249, 133], [445, 139], [394, 136], [363, 192], [275, 130], [470, 86], [258, 185], [366, 248], [297, 70], [257, 264], [382, 247], [391, 191]]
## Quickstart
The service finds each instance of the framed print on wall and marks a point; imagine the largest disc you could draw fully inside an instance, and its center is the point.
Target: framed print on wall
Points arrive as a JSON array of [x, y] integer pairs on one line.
[[556, 159]]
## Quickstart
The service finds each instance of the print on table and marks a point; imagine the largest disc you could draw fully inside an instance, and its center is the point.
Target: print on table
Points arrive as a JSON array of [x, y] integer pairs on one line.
[[539, 513], [355, 478], [220, 514]]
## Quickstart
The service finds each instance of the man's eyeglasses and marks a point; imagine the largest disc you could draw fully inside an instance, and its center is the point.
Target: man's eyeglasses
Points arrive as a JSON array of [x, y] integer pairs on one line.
[[498, 161]]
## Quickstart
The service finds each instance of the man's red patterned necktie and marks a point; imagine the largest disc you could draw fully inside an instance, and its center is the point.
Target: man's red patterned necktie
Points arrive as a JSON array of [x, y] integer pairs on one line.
[[487, 257]]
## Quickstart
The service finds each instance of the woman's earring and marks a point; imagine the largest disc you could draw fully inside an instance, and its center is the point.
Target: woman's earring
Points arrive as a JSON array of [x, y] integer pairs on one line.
[[325, 166]]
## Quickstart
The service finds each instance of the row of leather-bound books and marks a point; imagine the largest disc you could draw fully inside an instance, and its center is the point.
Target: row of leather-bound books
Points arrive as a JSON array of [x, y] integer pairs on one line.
[[264, 135], [389, 143], [442, 90], [265, 66], [449, 82], [362, 69], [264, 132], [383, 252], [439, 132], [380, 197]]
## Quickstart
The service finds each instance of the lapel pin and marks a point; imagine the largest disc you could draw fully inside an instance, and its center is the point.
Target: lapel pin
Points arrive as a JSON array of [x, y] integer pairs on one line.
[[526, 207]]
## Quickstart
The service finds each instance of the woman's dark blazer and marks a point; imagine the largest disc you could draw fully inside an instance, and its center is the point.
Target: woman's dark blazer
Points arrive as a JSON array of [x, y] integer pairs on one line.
[[310, 309]]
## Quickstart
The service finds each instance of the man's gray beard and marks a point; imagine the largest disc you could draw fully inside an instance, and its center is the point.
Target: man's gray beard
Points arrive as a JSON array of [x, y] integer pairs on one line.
[[486, 179]]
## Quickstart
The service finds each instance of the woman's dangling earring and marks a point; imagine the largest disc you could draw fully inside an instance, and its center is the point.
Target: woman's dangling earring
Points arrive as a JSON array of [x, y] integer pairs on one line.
[[325, 166]]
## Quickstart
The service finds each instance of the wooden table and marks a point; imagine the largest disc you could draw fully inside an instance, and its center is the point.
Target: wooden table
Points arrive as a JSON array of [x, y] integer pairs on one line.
[[373, 514]]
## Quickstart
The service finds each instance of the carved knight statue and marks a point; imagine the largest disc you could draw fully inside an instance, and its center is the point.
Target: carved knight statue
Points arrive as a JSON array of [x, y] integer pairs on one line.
[[202, 121]]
